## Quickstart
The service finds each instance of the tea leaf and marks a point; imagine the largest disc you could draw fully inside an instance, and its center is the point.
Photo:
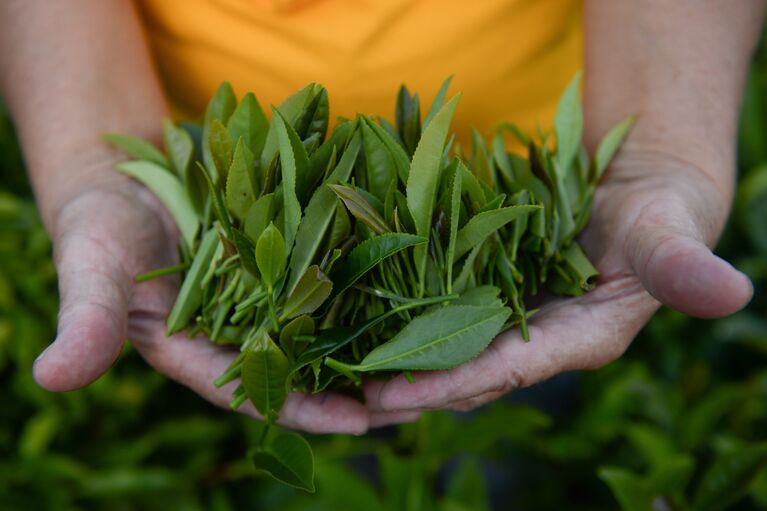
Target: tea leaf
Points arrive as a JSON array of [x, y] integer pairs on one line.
[[481, 296], [220, 107], [398, 155], [138, 148], [218, 201], [260, 214], [287, 458], [265, 372], [313, 119], [239, 190], [169, 191], [408, 118], [360, 208], [568, 124], [249, 122], [311, 291], [608, 146], [319, 212], [439, 100], [368, 254], [341, 226], [453, 217], [340, 141], [180, 148], [293, 163], [302, 325], [246, 250], [336, 338], [290, 109], [190, 295], [424, 177], [482, 225], [380, 167], [271, 256], [440, 339], [221, 150]]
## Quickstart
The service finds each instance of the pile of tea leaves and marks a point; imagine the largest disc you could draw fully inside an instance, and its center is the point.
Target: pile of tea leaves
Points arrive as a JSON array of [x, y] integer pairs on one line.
[[378, 247]]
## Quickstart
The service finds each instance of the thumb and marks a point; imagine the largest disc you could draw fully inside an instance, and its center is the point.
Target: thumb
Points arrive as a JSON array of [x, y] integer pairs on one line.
[[680, 271], [93, 313]]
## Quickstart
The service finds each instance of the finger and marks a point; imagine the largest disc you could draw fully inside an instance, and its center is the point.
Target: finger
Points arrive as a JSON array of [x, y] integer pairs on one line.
[[581, 333], [196, 363], [92, 318], [684, 274]]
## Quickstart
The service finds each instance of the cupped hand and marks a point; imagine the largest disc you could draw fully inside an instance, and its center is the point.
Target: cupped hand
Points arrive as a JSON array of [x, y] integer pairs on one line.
[[654, 219], [104, 237]]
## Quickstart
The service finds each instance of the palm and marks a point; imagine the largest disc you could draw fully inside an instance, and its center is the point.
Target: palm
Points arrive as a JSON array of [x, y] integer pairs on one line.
[[651, 221]]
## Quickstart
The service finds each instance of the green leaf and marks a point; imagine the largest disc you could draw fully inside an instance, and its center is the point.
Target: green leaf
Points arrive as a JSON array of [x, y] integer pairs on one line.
[[265, 372], [380, 166], [439, 100], [368, 254], [190, 295], [340, 141], [318, 214], [138, 148], [361, 208], [180, 148], [313, 119], [290, 109], [408, 118], [271, 256], [341, 228], [260, 214], [729, 478], [453, 218], [169, 190], [661, 489], [482, 225], [399, 157], [568, 124], [302, 325], [336, 338], [221, 150], [287, 458], [239, 189], [220, 107], [249, 122], [423, 179], [482, 296], [219, 206], [246, 250], [441, 339], [293, 163], [609, 145], [311, 291]]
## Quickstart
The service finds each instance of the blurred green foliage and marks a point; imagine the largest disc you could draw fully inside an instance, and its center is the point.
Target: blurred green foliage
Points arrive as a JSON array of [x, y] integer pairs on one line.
[[678, 423]]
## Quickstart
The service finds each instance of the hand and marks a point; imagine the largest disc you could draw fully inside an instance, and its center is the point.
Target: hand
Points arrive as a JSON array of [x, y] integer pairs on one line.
[[103, 238], [654, 219]]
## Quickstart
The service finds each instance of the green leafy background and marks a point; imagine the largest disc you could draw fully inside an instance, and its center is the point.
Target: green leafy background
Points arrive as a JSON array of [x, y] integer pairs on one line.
[[679, 422]]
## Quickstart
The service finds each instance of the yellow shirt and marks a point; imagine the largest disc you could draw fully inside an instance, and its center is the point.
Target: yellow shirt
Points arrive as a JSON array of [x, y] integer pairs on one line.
[[510, 58]]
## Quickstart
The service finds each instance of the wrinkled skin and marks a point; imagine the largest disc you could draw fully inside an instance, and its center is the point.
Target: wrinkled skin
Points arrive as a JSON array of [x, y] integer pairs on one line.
[[654, 219]]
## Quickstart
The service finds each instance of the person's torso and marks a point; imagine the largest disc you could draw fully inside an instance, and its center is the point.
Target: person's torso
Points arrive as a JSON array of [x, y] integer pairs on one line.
[[510, 58]]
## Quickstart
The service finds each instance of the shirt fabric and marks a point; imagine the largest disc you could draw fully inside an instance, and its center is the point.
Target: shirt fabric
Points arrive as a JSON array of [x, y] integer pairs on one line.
[[510, 58]]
